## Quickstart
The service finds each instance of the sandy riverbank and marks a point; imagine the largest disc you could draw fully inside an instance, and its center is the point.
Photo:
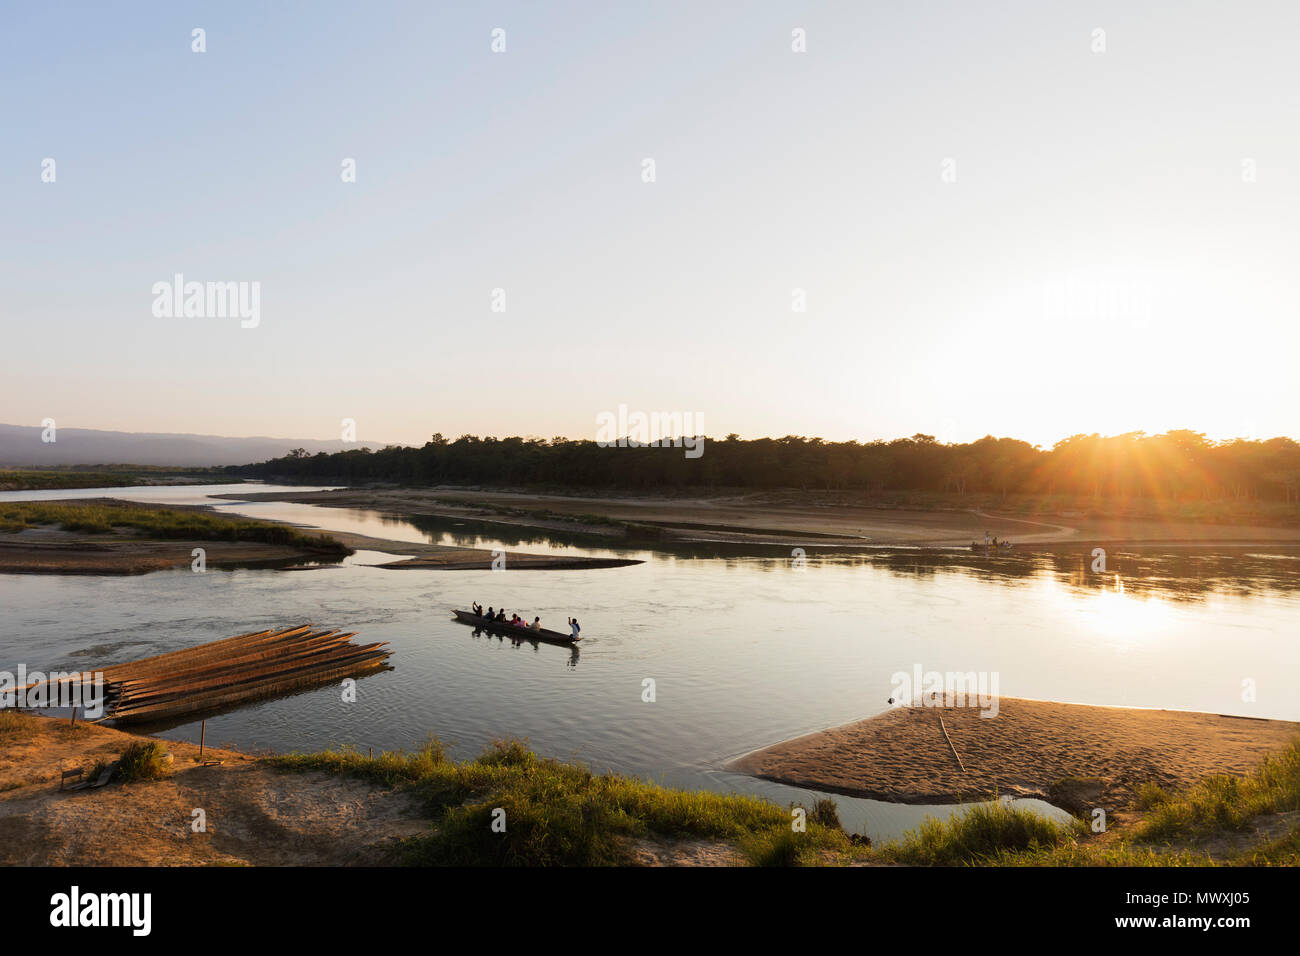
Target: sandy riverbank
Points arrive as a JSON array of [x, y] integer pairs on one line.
[[255, 814], [442, 557], [1026, 750], [49, 550], [776, 520]]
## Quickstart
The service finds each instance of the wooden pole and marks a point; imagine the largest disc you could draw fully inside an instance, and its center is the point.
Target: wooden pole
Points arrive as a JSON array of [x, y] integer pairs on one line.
[[203, 733], [950, 746]]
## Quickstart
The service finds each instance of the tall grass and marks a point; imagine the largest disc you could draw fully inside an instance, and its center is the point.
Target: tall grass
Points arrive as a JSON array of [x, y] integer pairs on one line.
[[563, 814], [510, 807], [985, 833], [24, 480], [15, 726], [1223, 802], [170, 523], [143, 760]]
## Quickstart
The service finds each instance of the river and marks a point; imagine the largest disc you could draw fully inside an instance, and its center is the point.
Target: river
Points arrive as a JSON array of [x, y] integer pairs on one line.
[[744, 649]]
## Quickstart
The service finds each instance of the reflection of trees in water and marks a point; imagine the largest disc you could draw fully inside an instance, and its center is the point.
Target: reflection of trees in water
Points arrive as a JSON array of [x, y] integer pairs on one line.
[[1180, 574], [1177, 575], [469, 533]]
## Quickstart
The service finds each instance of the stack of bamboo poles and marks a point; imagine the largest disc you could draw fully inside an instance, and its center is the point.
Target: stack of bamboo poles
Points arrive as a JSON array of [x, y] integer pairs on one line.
[[233, 671]]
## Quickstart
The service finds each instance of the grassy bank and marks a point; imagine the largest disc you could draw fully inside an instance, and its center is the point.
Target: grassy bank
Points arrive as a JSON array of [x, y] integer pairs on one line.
[[158, 522], [126, 476], [1221, 803], [23, 480], [558, 814], [1221, 820]]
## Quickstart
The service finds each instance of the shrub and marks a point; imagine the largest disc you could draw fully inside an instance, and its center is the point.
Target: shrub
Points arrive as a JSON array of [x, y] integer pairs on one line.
[[143, 760]]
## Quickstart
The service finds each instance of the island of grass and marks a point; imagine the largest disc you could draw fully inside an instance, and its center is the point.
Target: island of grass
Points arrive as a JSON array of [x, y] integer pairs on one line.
[[110, 536], [105, 476]]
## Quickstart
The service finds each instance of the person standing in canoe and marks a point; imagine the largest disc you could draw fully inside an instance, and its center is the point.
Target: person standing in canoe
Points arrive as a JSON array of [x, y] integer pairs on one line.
[[574, 630]]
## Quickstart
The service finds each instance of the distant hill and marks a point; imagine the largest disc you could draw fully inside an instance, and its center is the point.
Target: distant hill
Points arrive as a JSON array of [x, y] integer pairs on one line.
[[21, 446]]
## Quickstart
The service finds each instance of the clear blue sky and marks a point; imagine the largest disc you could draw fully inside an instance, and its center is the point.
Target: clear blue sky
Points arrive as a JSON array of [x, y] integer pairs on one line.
[[1110, 174]]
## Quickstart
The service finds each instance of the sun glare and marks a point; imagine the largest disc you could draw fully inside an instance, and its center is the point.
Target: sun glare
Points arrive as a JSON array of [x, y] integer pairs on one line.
[[1114, 613]]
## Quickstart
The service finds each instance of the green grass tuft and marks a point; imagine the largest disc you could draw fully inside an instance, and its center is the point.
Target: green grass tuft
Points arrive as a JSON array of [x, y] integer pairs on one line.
[[982, 834], [1223, 802], [142, 760]]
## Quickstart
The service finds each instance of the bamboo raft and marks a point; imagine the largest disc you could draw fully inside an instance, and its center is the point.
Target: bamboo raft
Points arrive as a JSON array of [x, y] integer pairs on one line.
[[234, 671]]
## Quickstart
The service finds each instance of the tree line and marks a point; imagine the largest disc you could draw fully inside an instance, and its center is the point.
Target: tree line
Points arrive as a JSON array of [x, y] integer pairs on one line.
[[1177, 465]]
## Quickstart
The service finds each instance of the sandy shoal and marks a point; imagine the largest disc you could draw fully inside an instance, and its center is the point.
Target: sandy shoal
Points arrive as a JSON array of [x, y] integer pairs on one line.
[[903, 756], [764, 519]]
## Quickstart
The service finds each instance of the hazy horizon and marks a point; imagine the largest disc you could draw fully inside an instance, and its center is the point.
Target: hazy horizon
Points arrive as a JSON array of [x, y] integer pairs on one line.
[[996, 226]]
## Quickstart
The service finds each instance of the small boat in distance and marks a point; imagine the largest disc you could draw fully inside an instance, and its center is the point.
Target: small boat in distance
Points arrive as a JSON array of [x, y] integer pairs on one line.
[[536, 634]]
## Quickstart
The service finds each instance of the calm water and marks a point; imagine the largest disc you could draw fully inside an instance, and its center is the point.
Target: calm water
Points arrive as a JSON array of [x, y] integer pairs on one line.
[[744, 649]]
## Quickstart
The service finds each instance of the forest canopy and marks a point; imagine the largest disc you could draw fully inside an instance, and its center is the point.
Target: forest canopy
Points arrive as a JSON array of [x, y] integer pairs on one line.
[[1177, 465]]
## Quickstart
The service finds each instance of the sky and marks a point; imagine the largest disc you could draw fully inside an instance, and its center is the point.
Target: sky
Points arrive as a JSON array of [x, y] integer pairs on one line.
[[998, 220]]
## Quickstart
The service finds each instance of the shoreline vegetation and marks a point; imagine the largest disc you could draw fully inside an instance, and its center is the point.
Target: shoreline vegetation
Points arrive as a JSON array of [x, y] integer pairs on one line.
[[112, 536], [1179, 473], [424, 808], [107, 476]]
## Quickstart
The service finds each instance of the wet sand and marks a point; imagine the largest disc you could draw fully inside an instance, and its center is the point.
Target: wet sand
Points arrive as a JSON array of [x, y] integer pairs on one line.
[[902, 755]]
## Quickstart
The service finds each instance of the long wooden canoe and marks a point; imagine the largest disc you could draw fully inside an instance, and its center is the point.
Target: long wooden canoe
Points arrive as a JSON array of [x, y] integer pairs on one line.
[[500, 627]]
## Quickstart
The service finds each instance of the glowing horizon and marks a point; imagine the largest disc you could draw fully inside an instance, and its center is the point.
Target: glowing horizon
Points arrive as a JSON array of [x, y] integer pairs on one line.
[[929, 221]]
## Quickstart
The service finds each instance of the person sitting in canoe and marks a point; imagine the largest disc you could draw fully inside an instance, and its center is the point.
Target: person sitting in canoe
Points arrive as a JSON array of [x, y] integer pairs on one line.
[[491, 614], [537, 624], [501, 616], [477, 608], [574, 630]]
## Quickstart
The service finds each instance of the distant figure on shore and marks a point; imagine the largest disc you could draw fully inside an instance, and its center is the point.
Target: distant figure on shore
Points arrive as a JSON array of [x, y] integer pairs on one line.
[[574, 630]]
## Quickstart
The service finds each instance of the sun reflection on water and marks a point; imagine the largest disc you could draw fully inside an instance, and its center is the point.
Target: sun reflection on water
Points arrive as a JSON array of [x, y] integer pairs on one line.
[[1112, 612]]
